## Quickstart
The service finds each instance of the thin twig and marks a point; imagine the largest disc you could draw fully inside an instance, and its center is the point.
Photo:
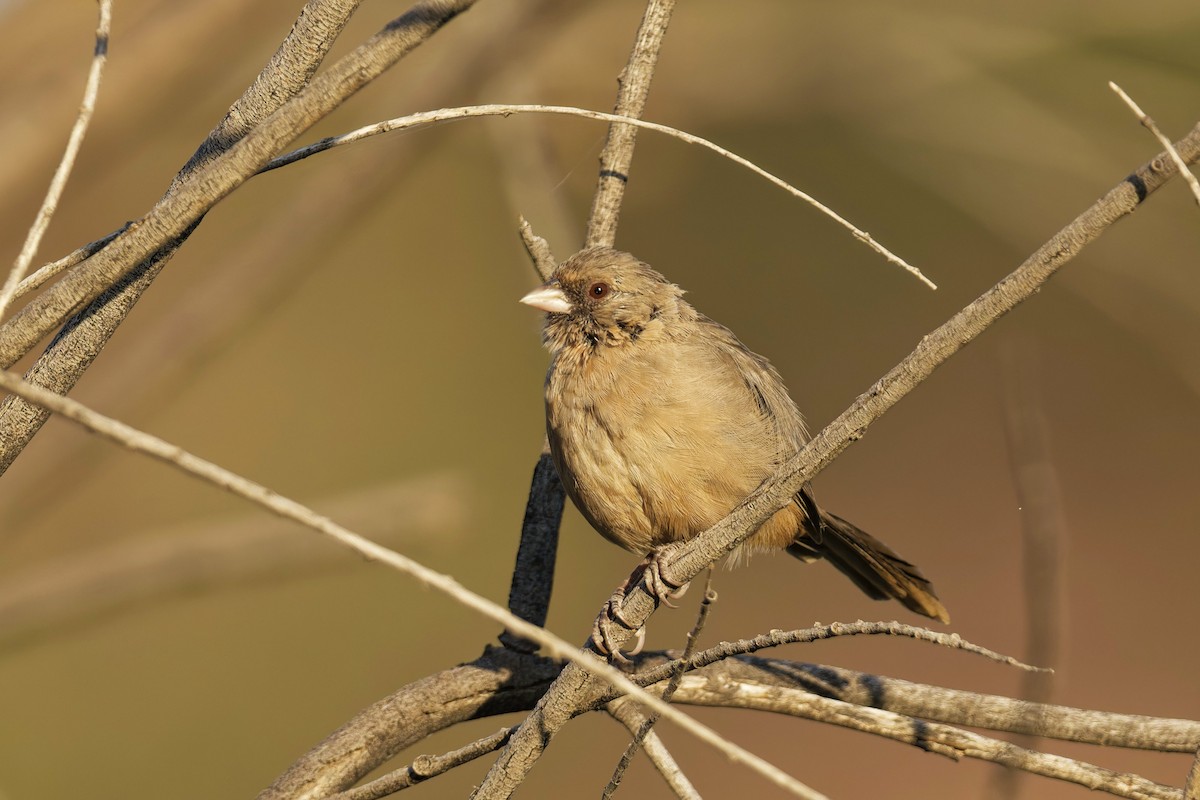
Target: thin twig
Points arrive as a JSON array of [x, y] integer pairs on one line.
[[505, 109], [425, 767], [777, 638], [1149, 123], [141, 442], [538, 249], [74, 142], [47, 271], [693, 636], [627, 712]]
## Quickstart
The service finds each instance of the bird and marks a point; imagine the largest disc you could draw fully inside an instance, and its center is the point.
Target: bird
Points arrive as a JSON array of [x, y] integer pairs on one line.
[[660, 421]]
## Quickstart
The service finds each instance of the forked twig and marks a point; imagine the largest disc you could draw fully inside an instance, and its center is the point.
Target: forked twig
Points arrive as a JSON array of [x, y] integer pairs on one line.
[[627, 712], [1152, 126], [777, 638], [59, 181], [693, 636], [425, 767]]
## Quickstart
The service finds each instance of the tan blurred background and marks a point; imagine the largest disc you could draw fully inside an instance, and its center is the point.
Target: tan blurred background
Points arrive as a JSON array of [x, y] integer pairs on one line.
[[349, 325]]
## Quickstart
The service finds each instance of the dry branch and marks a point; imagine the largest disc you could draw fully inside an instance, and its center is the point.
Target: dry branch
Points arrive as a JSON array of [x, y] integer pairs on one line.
[[929, 736], [617, 156], [513, 682], [126, 266]]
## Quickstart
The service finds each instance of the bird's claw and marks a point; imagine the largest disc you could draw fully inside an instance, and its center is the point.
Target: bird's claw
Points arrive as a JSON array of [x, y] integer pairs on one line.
[[661, 588], [603, 635]]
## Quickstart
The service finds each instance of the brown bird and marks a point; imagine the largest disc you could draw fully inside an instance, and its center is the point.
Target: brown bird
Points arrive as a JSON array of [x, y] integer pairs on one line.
[[660, 422]]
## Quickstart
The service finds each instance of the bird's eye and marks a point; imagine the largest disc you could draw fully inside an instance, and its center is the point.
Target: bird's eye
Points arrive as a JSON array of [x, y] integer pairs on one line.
[[598, 290]]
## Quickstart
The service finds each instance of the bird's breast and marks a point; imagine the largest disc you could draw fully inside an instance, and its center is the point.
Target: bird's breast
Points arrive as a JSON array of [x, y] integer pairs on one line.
[[652, 450]]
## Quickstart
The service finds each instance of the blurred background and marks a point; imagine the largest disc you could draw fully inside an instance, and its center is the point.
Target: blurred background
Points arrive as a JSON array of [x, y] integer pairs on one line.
[[346, 332]]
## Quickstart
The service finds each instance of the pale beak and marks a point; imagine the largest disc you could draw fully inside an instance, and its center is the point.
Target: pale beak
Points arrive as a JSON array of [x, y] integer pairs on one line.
[[548, 297]]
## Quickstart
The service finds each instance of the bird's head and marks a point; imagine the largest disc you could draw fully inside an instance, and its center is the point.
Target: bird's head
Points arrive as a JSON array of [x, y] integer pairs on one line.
[[602, 296]]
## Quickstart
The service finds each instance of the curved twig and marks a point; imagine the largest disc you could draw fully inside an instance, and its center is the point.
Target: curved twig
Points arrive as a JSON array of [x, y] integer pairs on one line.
[[505, 109]]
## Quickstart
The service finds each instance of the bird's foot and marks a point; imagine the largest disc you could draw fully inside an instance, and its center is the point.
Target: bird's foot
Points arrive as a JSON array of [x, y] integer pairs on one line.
[[660, 587], [603, 633]]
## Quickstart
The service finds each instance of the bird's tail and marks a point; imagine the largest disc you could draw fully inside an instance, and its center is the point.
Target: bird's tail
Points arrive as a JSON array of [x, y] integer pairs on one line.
[[870, 563]]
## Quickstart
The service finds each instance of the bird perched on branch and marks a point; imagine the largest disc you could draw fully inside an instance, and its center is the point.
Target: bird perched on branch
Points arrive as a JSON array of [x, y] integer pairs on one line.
[[660, 422]]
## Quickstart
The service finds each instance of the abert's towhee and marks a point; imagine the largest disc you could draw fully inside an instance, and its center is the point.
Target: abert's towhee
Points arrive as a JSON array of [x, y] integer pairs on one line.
[[660, 422]]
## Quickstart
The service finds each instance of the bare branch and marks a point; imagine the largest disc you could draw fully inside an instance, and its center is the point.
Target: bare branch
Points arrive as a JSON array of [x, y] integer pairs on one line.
[[1043, 533], [533, 574], [178, 212], [953, 706], [930, 736], [628, 714], [47, 271], [78, 345], [817, 633], [59, 181], [498, 682], [503, 681], [425, 767], [617, 156]]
